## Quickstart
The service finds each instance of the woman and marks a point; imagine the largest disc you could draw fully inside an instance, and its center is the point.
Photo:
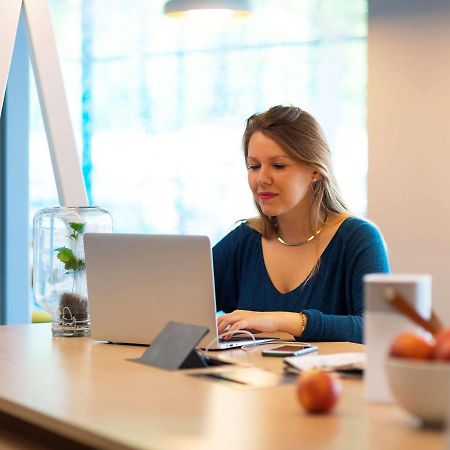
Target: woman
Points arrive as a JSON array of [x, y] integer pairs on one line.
[[298, 267]]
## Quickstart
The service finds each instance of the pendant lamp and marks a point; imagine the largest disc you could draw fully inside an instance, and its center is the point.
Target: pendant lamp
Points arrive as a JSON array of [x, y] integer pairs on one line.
[[181, 8]]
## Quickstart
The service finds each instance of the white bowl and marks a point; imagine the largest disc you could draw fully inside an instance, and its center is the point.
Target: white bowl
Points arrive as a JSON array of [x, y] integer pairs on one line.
[[421, 387]]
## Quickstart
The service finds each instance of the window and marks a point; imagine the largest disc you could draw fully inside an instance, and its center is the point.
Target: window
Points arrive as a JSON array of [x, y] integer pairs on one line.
[[159, 105]]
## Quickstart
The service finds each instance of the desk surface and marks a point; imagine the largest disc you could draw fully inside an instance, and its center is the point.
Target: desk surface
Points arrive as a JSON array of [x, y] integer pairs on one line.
[[90, 392]]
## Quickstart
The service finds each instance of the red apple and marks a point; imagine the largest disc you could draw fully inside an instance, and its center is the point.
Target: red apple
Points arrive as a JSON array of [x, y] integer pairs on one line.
[[442, 345], [411, 345], [318, 391]]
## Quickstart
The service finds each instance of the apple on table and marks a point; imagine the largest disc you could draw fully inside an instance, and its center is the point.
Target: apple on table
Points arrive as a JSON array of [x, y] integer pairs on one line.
[[318, 391]]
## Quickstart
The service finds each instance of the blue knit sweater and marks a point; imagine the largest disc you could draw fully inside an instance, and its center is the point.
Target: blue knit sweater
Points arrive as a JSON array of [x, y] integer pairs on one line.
[[332, 298]]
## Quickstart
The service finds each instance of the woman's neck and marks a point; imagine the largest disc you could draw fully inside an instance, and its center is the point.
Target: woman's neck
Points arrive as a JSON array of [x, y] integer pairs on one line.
[[298, 231], [295, 229]]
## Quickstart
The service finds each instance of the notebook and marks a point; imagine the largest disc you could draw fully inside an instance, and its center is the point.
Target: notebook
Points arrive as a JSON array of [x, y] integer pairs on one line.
[[137, 283]]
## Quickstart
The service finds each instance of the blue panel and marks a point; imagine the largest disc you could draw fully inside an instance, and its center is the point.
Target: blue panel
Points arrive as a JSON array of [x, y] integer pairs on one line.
[[15, 232]]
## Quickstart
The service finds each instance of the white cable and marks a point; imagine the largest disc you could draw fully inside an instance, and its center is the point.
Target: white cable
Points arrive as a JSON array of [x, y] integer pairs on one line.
[[232, 333]]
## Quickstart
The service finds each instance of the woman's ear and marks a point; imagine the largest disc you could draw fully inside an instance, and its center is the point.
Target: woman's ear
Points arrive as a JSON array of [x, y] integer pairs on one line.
[[316, 176]]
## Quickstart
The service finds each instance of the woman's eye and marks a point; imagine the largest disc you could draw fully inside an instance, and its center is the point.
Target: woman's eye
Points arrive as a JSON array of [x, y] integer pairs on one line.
[[279, 166], [252, 166]]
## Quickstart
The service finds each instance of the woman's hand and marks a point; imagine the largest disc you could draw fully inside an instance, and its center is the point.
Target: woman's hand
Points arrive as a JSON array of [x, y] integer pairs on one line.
[[268, 322]]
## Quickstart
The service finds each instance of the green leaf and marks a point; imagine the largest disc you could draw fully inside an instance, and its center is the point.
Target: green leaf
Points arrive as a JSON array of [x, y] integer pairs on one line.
[[64, 254], [71, 262], [78, 227]]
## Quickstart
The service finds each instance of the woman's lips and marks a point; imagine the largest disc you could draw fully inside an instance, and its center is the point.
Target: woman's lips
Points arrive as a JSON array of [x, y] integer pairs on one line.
[[266, 195]]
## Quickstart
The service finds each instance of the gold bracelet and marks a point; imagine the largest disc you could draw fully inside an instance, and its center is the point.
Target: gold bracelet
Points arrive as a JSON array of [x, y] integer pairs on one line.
[[303, 317]]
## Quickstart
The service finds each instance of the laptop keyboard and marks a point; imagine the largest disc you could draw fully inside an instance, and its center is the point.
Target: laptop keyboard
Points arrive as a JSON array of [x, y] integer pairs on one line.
[[245, 338]]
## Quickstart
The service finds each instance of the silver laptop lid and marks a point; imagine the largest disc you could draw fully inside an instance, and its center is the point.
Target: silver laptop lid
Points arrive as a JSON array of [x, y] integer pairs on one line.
[[138, 283]]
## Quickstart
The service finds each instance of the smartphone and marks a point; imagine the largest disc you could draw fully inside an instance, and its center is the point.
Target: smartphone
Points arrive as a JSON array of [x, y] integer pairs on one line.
[[290, 350]]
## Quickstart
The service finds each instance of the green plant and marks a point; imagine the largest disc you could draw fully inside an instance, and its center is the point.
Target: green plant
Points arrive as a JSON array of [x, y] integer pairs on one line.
[[73, 307], [66, 255]]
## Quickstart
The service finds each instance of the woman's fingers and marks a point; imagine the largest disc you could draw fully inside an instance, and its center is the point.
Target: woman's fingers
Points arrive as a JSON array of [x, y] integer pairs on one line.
[[229, 322], [233, 329], [247, 320], [258, 321], [223, 323]]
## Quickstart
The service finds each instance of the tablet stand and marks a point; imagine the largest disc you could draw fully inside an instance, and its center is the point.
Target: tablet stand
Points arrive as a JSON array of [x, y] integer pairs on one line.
[[174, 347]]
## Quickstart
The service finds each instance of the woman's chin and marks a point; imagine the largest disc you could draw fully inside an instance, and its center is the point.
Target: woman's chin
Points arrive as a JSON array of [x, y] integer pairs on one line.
[[268, 210]]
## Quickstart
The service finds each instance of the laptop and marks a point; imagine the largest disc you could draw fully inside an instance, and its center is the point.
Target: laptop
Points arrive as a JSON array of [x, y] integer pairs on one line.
[[137, 283]]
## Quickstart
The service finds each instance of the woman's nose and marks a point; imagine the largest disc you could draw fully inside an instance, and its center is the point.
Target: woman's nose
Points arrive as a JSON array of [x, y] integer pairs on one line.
[[265, 176]]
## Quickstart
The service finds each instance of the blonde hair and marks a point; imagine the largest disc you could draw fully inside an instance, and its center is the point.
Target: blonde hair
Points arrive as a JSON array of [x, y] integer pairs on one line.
[[302, 138]]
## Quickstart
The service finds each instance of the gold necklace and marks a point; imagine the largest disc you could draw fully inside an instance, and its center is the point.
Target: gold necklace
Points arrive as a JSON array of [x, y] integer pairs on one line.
[[299, 244]]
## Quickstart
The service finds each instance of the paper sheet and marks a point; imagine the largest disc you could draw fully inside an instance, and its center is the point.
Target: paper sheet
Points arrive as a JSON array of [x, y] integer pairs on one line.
[[336, 361]]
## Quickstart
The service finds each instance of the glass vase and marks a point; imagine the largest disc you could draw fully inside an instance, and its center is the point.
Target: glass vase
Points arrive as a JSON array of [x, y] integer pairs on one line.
[[59, 277]]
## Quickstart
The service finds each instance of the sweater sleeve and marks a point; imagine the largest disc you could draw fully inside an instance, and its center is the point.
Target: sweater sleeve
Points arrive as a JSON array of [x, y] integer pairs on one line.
[[365, 253]]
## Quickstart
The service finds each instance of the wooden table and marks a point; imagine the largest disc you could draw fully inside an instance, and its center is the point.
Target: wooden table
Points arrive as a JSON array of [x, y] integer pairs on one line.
[[91, 394]]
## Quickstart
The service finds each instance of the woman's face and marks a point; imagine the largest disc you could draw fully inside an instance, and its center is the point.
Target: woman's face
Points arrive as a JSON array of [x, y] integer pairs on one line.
[[280, 184]]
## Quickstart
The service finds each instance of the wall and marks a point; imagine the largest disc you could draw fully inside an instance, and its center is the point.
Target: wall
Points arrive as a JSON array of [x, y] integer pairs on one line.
[[409, 136]]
